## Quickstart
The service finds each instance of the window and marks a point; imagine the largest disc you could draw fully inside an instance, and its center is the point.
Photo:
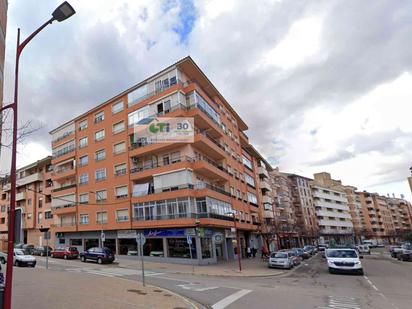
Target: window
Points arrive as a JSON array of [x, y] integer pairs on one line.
[[137, 115], [163, 107], [120, 169], [179, 248], [101, 195], [118, 127], [251, 198], [100, 155], [117, 107], [121, 192], [83, 125], [39, 217], [84, 219], [99, 117], [119, 148], [83, 142], [84, 178], [101, 217], [100, 174], [40, 202], [29, 201], [122, 215], [247, 162], [249, 180], [76, 242], [84, 160], [48, 215], [3, 208], [84, 198], [99, 135]]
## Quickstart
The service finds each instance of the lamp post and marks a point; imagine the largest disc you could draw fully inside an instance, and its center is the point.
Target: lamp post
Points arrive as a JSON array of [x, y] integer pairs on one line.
[[239, 247], [64, 11]]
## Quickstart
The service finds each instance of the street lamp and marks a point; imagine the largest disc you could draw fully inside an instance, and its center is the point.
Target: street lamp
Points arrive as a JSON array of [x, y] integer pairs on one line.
[[239, 247], [64, 11]]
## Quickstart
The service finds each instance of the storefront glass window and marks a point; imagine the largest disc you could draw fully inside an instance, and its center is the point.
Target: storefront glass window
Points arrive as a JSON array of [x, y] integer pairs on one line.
[[206, 244], [153, 247], [178, 248]]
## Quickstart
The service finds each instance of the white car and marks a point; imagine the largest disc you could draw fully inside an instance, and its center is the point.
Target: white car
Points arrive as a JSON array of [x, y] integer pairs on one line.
[[21, 259], [281, 259], [363, 249], [343, 260]]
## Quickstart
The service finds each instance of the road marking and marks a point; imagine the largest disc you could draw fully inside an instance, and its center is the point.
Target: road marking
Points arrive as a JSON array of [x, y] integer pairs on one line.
[[195, 287], [335, 302], [380, 293], [230, 299]]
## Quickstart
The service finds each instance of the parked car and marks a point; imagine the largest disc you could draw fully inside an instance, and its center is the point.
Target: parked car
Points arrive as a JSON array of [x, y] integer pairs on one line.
[[344, 260], [28, 249], [323, 247], [395, 251], [295, 257], [372, 243], [42, 251], [281, 260], [65, 253], [309, 249], [302, 253], [100, 255], [363, 249], [405, 254], [23, 259]]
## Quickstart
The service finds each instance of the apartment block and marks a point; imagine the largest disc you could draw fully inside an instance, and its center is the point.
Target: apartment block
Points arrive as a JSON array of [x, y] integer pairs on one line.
[[109, 180], [401, 212], [33, 203], [332, 210], [356, 212], [304, 209]]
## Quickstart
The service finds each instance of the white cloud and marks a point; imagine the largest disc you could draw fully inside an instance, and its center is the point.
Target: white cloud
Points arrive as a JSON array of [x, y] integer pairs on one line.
[[30, 152]]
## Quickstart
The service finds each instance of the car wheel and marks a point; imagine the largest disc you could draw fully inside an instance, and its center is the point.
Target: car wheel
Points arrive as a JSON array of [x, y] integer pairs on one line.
[[16, 263], [3, 260], [83, 259], [360, 272], [51, 255], [99, 261], [331, 271], [65, 257]]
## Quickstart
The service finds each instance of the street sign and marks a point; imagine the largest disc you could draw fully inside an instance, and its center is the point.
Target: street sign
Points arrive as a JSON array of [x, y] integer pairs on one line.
[[103, 236], [189, 239], [140, 239]]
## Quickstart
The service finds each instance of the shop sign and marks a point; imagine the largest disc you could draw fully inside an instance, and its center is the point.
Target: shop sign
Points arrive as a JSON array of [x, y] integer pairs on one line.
[[230, 234], [126, 234], [165, 233], [191, 232], [218, 237]]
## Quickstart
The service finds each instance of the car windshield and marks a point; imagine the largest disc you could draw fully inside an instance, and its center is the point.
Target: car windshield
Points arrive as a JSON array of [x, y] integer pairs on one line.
[[18, 252], [342, 254], [279, 255]]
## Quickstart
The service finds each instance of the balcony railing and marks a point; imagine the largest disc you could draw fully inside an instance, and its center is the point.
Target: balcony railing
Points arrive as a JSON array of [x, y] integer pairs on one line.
[[64, 151], [197, 186], [183, 215], [65, 134], [64, 224], [68, 205], [62, 170], [64, 188]]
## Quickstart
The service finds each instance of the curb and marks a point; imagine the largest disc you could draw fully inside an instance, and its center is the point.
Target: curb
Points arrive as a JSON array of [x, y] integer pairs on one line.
[[230, 276]]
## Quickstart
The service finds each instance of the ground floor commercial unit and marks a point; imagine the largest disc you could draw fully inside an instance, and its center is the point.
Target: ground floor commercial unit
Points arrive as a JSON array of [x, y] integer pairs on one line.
[[207, 245], [336, 239]]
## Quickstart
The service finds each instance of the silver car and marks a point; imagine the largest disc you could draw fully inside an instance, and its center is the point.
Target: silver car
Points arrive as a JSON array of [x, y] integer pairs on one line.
[[281, 260]]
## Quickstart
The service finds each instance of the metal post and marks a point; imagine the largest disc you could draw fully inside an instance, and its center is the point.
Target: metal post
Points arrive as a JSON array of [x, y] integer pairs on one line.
[[141, 256], [239, 251], [191, 258], [47, 251]]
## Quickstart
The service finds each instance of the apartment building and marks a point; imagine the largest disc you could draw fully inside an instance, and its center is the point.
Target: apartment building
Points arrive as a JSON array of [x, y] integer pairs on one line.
[[356, 213], [287, 228], [33, 203], [378, 217], [332, 210], [304, 209], [109, 180], [401, 213]]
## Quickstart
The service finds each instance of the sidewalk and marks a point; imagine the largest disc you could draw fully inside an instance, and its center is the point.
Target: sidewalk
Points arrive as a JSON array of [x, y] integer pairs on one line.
[[250, 267], [38, 288]]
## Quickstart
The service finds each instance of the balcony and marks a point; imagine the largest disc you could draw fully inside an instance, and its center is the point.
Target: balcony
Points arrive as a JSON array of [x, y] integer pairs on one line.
[[20, 196], [176, 216], [64, 227], [268, 214], [143, 147], [62, 137], [207, 144], [63, 172], [63, 154], [64, 209], [25, 180], [65, 188], [336, 231], [267, 200], [263, 172], [204, 121], [264, 186]]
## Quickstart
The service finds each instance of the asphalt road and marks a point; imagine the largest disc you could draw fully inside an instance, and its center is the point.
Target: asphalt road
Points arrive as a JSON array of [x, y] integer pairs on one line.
[[387, 284]]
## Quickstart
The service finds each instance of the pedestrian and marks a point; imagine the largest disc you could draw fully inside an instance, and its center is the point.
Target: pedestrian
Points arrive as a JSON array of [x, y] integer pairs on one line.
[[1, 277], [254, 251], [248, 252]]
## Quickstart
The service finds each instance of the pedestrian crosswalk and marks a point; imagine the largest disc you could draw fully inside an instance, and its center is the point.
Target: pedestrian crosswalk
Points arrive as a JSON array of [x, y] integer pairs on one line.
[[339, 302], [113, 272]]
